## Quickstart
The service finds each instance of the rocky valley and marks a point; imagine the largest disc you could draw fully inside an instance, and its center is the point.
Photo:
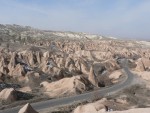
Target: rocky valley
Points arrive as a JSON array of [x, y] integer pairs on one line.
[[40, 65]]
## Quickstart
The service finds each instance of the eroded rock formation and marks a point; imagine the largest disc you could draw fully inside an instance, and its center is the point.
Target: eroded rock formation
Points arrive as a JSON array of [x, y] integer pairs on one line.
[[27, 109]]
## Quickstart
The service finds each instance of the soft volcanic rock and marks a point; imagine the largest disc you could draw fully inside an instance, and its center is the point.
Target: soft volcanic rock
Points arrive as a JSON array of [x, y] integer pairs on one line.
[[140, 66], [65, 86], [146, 62], [25, 89], [144, 75], [136, 110], [18, 71], [13, 61], [111, 65], [32, 79], [96, 107], [92, 77], [143, 64], [2, 77], [27, 109], [115, 74], [69, 63], [8, 95]]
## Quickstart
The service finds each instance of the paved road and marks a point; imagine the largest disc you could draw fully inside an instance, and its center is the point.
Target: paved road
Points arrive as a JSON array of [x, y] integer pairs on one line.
[[85, 96]]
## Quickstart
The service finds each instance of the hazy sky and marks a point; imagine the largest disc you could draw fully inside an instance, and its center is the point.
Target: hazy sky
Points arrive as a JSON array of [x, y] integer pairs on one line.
[[118, 18]]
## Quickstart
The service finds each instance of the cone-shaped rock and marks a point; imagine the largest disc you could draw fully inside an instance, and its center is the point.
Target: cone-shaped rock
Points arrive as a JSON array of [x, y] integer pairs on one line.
[[8, 95], [27, 109], [92, 77]]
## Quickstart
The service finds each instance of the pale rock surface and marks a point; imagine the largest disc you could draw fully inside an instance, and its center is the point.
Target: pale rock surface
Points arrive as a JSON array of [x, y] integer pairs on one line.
[[85, 109], [31, 58], [2, 62], [46, 69], [140, 65], [12, 62], [17, 71], [122, 101], [96, 107], [65, 86], [39, 55], [143, 64], [84, 68], [47, 65], [25, 89], [73, 69], [99, 107], [4, 69], [111, 65], [99, 68], [69, 61], [115, 74], [32, 79], [92, 77], [2, 77], [136, 110], [146, 62], [8, 95], [46, 54], [60, 62], [27, 109], [145, 74]]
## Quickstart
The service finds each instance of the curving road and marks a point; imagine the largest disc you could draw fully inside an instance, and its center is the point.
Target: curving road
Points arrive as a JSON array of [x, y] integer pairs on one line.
[[85, 96]]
